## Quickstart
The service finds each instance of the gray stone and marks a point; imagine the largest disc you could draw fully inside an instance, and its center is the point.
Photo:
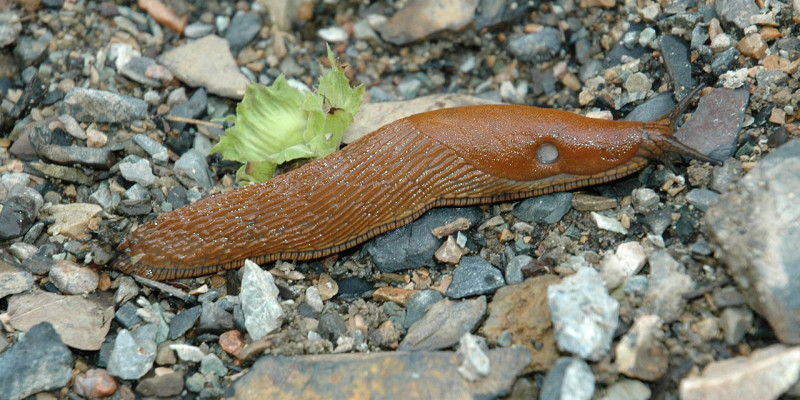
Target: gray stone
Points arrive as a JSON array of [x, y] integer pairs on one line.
[[419, 304], [212, 364], [644, 200], [724, 61], [474, 276], [444, 324], [133, 353], [159, 386], [145, 71], [137, 170], [104, 198], [701, 198], [570, 379], [714, 127], [214, 319], [756, 228], [513, 271], [244, 28], [72, 278], [192, 169], [39, 362], [207, 62], [668, 283], [546, 209], [584, 316], [126, 315], [198, 29], [10, 27], [331, 326], [18, 215], [413, 245], [725, 176], [495, 12], [156, 150], [259, 296], [736, 12], [676, 58], [736, 321], [652, 109], [92, 105], [194, 108], [628, 389], [181, 323], [641, 353], [32, 51], [537, 47]]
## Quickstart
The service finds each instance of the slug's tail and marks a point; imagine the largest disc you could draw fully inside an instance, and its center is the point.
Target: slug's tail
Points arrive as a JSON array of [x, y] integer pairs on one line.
[[659, 142]]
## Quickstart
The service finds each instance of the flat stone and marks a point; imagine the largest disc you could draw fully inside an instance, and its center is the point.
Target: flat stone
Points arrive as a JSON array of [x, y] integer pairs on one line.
[[259, 296], [39, 362], [419, 304], [676, 58], [765, 374], [181, 323], [701, 198], [546, 209], [586, 202], [207, 62], [13, 279], [165, 382], [756, 229], [538, 46], [391, 375], [156, 150], [72, 220], [522, 311], [126, 315], [72, 278], [736, 12], [714, 127], [87, 156], [584, 316], [668, 282], [92, 105], [244, 28], [82, 321], [146, 71], [133, 353], [413, 245], [192, 169], [444, 324], [474, 276], [421, 18]]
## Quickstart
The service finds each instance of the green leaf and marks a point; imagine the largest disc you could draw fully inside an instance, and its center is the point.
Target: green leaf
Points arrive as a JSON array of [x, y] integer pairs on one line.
[[278, 123]]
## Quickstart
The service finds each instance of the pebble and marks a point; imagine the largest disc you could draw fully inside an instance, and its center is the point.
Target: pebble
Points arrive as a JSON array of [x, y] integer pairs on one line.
[[133, 352], [352, 287], [211, 364], [198, 29], [92, 105], [232, 342], [721, 112], [645, 200], [166, 382], [13, 279], [72, 220], [421, 18], [72, 127], [737, 12], [676, 59], [156, 150], [313, 299], [10, 28], [585, 202], [137, 170], [413, 245], [546, 209], [17, 217], [736, 322], [701, 198], [188, 353], [608, 223], [513, 271], [214, 319], [333, 34], [72, 278], [192, 169], [628, 389], [38, 362], [444, 324], [521, 312], [331, 326], [474, 362], [626, 261], [536, 47], [584, 316], [419, 304], [194, 108], [95, 383], [126, 315], [641, 353], [740, 222], [450, 252], [569, 379], [259, 296], [183, 321], [474, 276], [753, 46], [218, 74], [668, 283], [764, 374], [327, 287], [243, 29], [146, 71]]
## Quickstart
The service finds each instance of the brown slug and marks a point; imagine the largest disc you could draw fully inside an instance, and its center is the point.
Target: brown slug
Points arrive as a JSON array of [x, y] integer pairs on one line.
[[450, 157]]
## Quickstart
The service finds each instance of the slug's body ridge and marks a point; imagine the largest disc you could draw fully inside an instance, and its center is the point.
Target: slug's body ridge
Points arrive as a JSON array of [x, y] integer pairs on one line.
[[459, 156]]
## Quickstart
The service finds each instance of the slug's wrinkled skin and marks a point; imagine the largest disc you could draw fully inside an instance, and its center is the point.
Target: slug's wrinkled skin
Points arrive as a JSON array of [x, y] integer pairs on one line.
[[450, 157]]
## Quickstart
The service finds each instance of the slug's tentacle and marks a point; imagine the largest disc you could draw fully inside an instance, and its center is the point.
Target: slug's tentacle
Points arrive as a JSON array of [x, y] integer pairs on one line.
[[451, 157]]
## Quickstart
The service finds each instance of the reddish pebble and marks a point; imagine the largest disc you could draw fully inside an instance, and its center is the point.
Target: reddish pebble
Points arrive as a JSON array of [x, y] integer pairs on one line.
[[95, 383], [232, 342]]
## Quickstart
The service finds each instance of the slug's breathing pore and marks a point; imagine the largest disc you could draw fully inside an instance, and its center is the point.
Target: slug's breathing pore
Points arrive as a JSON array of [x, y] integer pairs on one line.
[[450, 157]]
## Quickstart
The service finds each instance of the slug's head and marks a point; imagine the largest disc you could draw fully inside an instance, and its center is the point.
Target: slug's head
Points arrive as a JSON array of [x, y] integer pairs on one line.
[[658, 142]]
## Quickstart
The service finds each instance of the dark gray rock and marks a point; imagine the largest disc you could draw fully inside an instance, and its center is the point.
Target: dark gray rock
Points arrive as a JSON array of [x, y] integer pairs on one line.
[[195, 107], [714, 127], [538, 46], [145, 71], [413, 245], [331, 326], [679, 67], [181, 323], [569, 379], [444, 324], [156, 150], [18, 215], [38, 362], [419, 304], [32, 51], [244, 28], [495, 12], [652, 109], [160, 386], [736, 12], [513, 272], [68, 155], [352, 287], [546, 209], [474, 276], [92, 105], [756, 229], [126, 315], [214, 319], [724, 61]]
